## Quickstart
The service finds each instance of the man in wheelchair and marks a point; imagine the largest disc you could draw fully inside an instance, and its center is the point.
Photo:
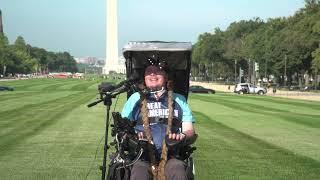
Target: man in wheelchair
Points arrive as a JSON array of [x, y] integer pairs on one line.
[[163, 119], [154, 133]]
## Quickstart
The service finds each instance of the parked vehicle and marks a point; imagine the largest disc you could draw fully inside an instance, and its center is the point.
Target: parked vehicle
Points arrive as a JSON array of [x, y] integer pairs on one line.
[[6, 88], [200, 89], [310, 88], [294, 88], [248, 88]]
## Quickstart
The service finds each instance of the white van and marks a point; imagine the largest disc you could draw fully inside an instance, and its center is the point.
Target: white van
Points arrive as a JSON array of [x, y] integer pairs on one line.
[[248, 88]]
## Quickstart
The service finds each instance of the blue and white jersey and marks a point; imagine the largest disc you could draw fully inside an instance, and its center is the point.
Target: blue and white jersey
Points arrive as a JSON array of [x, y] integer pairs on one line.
[[158, 113]]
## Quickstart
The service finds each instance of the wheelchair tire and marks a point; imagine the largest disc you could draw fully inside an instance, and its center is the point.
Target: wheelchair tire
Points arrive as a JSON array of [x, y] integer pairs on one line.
[[190, 169], [116, 173]]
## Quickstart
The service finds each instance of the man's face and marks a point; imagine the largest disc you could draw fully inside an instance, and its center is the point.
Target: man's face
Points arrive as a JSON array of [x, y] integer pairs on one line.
[[154, 77]]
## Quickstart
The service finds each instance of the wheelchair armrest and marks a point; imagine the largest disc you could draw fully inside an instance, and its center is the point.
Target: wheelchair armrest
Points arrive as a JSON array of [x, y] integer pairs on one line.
[[190, 140], [172, 143], [143, 143]]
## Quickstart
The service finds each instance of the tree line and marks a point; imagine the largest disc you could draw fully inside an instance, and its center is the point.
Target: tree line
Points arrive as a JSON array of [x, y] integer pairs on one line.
[[284, 49], [22, 58]]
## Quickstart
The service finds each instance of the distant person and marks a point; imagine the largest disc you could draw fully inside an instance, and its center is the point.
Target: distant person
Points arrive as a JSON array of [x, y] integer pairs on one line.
[[274, 90], [268, 85]]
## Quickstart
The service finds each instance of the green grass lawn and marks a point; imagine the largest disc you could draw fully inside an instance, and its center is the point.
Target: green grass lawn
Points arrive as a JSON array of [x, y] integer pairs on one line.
[[47, 132]]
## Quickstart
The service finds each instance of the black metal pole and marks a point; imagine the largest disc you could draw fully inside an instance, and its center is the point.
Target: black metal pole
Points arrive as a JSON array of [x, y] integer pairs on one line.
[[107, 103]]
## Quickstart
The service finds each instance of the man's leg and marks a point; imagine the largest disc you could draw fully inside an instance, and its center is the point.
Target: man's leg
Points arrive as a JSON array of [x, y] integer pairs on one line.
[[140, 171], [175, 170]]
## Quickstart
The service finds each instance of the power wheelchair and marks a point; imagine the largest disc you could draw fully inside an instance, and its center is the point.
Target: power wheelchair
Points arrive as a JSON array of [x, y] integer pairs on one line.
[[128, 148]]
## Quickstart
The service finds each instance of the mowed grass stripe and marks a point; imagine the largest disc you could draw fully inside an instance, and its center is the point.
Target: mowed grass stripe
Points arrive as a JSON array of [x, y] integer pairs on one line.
[[273, 103], [28, 83], [77, 85], [68, 86], [64, 150], [64, 82], [22, 114], [35, 159], [35, 107], [225, 153], [55, 86], [36, 118], [285, 104], [285, 101], [15, 95], [303, 119], [21, 83], [298, 138], [25, 99], [43, 89], [83, 86]]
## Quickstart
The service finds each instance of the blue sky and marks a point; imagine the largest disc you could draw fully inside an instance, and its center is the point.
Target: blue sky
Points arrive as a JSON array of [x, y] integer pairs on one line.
[[78, 26]]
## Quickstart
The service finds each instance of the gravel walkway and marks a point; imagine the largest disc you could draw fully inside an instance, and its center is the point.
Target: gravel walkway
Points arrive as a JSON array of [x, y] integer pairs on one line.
[[285, 94]]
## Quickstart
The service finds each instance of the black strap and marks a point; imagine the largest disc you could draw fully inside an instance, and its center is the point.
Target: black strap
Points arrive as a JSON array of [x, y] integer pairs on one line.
[[175, 122]]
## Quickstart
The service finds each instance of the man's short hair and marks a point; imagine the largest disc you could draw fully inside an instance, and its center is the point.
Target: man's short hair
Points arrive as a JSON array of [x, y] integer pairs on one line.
[[154, 69]]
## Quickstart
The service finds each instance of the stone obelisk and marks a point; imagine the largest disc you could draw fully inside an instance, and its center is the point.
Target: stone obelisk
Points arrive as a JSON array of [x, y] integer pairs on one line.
[[1, 26], [112, 37]]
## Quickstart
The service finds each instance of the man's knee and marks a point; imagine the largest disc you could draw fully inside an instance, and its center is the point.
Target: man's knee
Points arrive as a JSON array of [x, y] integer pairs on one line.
[[140, 171], [175, 169]]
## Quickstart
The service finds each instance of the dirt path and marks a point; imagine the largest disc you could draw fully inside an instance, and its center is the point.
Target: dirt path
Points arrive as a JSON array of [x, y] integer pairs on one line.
[[286, 94]]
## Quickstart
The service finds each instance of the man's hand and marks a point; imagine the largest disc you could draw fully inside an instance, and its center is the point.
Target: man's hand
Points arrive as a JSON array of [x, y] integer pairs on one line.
[[177, 137], [141, 135], [187, 131]]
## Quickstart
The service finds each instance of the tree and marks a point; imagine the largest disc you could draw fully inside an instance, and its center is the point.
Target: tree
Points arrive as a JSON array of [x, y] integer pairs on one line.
[[20, 44], [24, 58], [312, 3], [316, 64], [64, 62], [40, 55], [4, 60]]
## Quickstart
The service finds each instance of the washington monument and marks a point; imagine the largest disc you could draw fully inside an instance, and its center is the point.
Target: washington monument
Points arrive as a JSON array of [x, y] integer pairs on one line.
[[1, 26], [112, 58]]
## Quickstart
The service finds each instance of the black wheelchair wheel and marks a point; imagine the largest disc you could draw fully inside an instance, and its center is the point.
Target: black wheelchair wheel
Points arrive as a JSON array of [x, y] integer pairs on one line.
[[117, 172], [190, 169]]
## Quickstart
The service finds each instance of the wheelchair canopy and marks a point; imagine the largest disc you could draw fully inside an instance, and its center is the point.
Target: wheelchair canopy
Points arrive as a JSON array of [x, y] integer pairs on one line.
[[177, 55]]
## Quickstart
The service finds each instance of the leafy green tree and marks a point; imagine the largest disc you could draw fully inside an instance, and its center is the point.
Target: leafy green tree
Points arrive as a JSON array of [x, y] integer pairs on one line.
[[20, 44], [312, 4], [40, 55], [281, 46], [64, 62], [316, 64], [24, 58], [4, 60]]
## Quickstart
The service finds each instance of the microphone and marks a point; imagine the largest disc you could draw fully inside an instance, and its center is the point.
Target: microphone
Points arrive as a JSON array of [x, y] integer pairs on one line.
[[105, 87], [111, 90], [123, 86]]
